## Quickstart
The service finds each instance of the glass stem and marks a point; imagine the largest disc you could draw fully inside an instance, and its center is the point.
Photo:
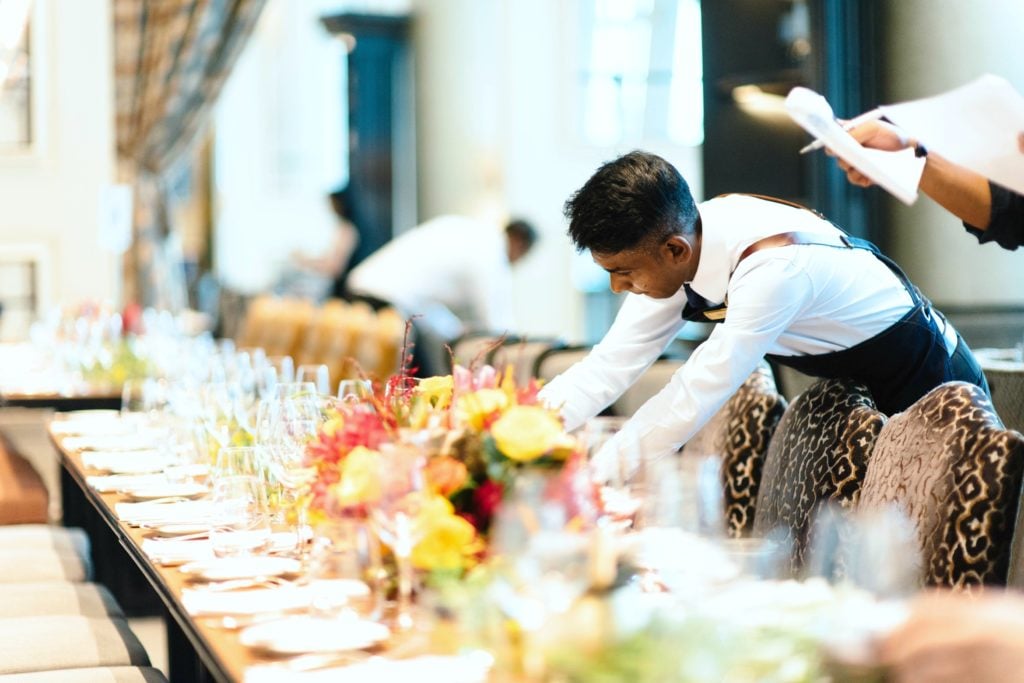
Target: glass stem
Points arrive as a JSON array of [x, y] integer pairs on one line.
[[404, 616]]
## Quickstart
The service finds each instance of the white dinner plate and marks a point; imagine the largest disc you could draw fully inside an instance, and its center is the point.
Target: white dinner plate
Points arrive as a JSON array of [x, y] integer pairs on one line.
[[165, 490], [224, 568], [174, 530], [300, 635]]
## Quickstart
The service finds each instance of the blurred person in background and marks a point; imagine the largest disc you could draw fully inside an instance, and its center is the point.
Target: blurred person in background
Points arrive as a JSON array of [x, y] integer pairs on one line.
[[989, 211], [317, 277], [451, 274]]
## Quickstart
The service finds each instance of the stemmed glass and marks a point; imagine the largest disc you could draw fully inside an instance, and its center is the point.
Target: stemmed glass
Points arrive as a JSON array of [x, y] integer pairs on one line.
[[543, 560], [395, 515], [319, 375]]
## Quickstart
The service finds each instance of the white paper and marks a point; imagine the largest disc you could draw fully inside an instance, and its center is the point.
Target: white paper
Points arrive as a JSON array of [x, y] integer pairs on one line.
[[899, 173], [976, 125]]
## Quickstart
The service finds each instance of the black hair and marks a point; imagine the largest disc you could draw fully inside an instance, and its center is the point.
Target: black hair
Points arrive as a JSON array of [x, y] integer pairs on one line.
[[523, 231], [637, 200], [342, 203]]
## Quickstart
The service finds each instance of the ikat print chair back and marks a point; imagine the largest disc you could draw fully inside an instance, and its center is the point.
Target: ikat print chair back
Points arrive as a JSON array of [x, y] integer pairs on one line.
[[740, 433], [819, 453], [949, 464]]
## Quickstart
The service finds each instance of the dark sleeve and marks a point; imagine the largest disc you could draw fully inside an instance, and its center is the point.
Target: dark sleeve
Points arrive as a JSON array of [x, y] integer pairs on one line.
[[1006, 223]]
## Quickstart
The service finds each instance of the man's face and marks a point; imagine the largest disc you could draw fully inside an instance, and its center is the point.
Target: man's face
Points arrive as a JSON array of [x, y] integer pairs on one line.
[[517, 248], [657, 272]]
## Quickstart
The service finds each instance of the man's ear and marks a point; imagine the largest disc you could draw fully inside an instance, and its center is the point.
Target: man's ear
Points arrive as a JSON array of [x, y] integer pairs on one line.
[[678, 248]]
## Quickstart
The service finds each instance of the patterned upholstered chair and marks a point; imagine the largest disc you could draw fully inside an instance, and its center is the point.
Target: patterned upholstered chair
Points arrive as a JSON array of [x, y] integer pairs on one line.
[[740, 433], [819, 453], [1007, 384], [109, 674], [956, 472], [44, 643]]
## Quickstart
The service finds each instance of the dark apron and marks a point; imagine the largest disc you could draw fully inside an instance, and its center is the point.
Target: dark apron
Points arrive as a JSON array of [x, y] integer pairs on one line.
[[899, 364]]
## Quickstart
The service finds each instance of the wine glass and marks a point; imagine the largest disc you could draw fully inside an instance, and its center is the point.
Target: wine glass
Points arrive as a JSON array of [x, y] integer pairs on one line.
[[241, 515], [318, 374], [355, 390], [402, 490]]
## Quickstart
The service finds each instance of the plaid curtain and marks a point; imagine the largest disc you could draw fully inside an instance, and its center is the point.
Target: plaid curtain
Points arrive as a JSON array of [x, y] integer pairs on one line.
[[171, 60]]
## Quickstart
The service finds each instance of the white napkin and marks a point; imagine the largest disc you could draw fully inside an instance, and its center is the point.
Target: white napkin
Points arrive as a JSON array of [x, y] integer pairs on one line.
[[467, 668], [200, 601], [90, 427], [143, 440], [186, 512], [108, 483], [127, 462], [175, 551], [169, 551]]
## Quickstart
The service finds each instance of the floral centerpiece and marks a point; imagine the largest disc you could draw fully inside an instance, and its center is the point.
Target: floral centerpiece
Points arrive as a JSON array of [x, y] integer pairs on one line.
[[477, 428]]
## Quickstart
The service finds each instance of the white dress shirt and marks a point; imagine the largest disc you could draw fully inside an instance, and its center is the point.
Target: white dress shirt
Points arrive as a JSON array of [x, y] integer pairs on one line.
[[792, 300], [452, 271]]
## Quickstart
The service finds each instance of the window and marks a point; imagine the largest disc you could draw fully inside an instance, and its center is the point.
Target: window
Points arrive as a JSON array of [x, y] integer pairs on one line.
[[640, 74]]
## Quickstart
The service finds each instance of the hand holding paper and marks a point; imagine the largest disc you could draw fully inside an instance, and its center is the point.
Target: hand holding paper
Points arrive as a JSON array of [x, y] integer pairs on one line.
[[898, 172]]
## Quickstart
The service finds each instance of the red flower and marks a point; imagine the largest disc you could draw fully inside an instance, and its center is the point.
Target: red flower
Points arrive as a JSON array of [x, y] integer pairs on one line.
[[486, 499]]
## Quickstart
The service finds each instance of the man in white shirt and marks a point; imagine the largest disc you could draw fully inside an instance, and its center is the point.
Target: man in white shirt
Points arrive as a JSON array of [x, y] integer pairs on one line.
[[782, 281], [452, 272]]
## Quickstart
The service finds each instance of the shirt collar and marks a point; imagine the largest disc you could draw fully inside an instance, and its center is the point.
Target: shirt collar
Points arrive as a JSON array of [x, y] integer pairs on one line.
[[713, 269]]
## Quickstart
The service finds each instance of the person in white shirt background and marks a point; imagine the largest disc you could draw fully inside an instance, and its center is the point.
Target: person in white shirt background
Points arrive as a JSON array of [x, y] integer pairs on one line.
[[797, 289], [453, 273]]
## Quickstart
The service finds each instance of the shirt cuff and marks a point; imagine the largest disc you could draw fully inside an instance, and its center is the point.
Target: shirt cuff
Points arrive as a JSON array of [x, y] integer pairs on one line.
[[1006, 221]]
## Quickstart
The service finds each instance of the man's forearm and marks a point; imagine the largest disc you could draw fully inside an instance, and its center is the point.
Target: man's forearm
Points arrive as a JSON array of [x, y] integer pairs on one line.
[[963, 193]]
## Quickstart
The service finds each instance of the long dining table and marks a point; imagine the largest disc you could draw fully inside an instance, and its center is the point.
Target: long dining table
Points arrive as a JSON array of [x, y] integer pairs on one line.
[[197, 651], [204, 645]]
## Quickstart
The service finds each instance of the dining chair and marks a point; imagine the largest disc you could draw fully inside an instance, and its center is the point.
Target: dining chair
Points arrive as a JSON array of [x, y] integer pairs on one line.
[[818, 454], [740, 433], [476, 348], [949, 464], [53, 642], [43, 552], [120, 674], [521, 355], [1007, 386], [554, 362], [653, 380]]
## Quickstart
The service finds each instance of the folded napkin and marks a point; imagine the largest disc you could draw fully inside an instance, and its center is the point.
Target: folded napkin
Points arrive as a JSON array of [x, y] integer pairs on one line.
[[200, 602], [91, 427], [142, 440], [185, 512], [169, 551], [471, 667], [172, 551], [108, 483], [127, 462]]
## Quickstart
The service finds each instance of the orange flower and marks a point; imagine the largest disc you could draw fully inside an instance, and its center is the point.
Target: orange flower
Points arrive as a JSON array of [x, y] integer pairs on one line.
[[445, 474]]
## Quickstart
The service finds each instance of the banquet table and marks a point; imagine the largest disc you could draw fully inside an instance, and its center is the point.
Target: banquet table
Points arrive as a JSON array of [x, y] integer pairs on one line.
[[196, 652], [200, 648]]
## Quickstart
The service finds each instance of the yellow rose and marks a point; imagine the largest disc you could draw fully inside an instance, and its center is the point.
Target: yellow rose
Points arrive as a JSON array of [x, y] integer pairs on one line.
[[525, 433], [437, 391], [447, 541], [359, 482], [474, 408]]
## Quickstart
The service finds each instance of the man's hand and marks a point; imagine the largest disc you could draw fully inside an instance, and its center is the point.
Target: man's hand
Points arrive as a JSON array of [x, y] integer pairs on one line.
[[876, 135]]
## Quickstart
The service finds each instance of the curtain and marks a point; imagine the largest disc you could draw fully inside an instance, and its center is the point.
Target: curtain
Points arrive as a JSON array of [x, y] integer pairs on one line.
[[171, 58]]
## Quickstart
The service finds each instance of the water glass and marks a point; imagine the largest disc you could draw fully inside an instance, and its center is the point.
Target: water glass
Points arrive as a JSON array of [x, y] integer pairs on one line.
[[284, 366], [346, 571], [241, 516], [355, 390], [239, 461], [319, 375]]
